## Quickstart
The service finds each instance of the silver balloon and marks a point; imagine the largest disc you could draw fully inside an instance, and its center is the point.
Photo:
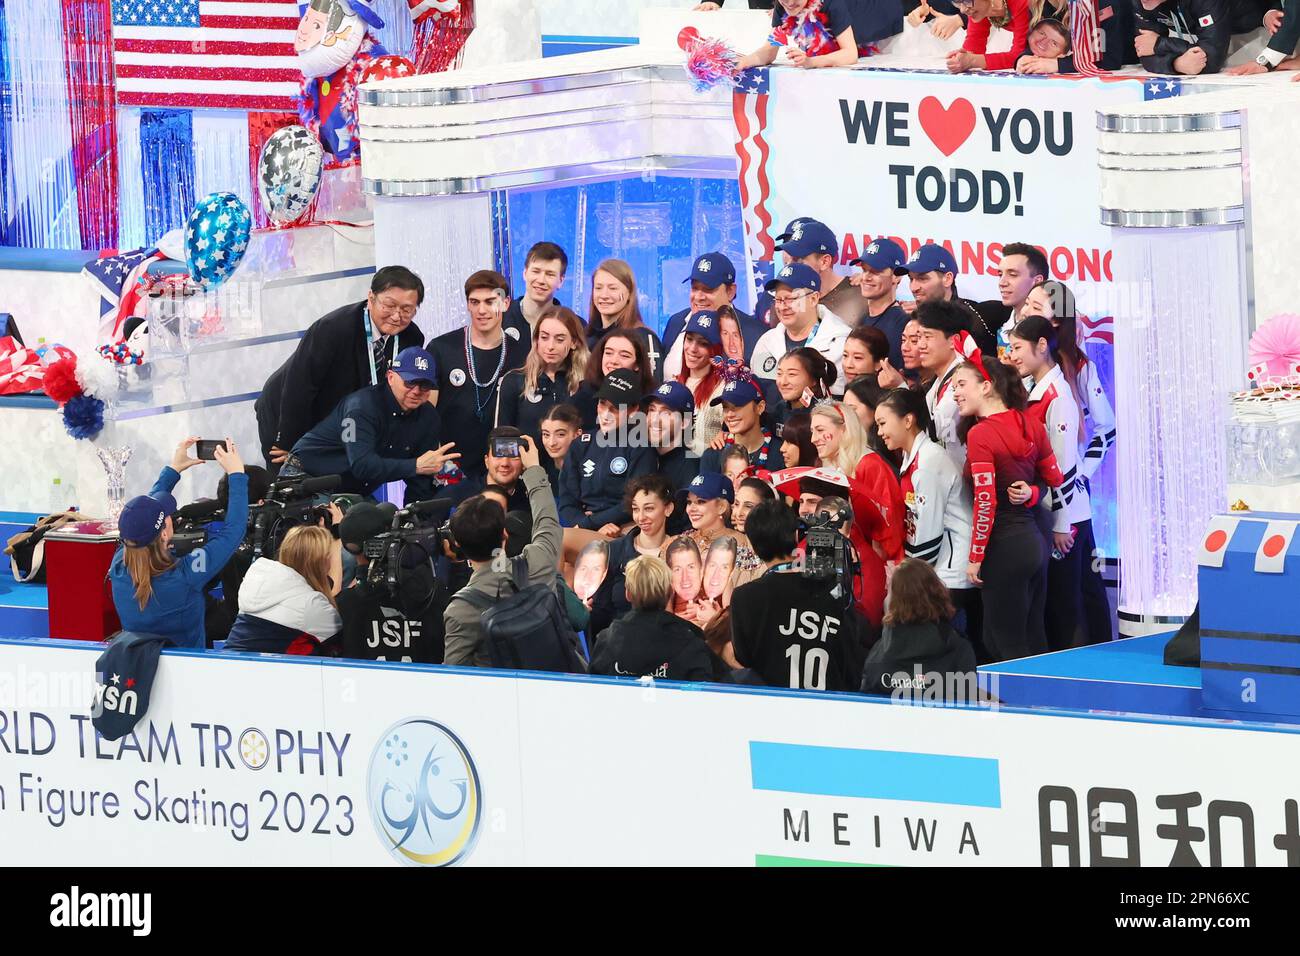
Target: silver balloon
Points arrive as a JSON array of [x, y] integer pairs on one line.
[[289, 173]]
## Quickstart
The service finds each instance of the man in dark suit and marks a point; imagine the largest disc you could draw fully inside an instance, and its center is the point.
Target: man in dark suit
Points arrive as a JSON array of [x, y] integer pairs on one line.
[[349, 349]]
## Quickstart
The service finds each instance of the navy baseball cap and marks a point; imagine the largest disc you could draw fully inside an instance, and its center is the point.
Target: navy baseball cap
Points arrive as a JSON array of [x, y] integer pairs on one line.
[[808, 237], [705, 323], [142, 520], [929, 258], [713, 269], [789, 227], [882, 254], [797, 276], [738, 392], [414, 364], [675, 395], [621, 387], [709, 485]]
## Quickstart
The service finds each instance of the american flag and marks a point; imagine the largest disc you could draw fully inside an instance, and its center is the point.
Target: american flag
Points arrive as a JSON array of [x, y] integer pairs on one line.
[[749, 109], [1086, 36], [117, 279], [1161, 89], [224, 54]]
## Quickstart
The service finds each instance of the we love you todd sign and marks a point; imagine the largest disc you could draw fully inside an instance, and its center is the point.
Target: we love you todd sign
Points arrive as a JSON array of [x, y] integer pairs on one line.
[[969, 162]]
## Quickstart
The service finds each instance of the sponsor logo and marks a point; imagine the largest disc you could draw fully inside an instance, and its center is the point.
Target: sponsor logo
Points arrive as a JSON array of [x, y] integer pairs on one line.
[[425, 797]]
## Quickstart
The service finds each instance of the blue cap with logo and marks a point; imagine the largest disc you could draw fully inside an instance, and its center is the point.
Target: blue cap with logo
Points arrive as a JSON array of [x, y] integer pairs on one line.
[[708, 485], [882, 254], [675, 395], [789, 227], [713, 269], [414, 364], [808, 237], [797, 276], [739, 391], [930, 258], [143, 517], [705, 323]]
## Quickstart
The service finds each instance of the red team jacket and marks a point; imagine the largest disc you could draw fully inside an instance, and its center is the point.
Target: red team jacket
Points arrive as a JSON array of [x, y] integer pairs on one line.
[[1001, 450]]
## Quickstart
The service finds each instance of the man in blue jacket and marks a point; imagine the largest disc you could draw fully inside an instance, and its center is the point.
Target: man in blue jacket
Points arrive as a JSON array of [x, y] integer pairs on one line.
[[387, 432]]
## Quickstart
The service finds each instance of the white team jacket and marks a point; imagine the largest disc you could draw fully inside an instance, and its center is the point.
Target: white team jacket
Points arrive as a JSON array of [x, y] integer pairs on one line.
[[939, 509], [1069, 503], [828, 338]]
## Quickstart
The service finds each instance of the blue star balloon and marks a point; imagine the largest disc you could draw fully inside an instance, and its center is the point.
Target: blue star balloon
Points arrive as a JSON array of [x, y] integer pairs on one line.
[[216, 238]]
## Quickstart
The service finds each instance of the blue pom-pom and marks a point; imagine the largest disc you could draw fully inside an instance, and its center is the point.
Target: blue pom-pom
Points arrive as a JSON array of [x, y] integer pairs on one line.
[[83, 416]]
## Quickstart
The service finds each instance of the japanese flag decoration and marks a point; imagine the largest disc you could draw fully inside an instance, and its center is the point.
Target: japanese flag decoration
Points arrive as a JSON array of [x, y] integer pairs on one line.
[[1214, 547], [1270, 557], [1206, 21]]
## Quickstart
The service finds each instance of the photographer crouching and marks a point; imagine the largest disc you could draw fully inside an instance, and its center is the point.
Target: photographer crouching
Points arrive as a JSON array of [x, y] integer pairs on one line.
[[153, 591]]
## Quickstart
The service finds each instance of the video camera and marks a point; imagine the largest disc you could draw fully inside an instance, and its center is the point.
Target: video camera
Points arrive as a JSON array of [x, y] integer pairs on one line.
[[422, 526], [289, 502], [825, 548], [190, 525]]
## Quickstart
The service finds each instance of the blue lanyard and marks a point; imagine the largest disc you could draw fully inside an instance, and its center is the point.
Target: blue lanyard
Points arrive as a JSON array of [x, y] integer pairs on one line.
[[370, 346]]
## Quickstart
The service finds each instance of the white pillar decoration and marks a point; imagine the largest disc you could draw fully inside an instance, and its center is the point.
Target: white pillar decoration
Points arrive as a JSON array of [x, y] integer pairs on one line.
[[1179, 350], [444, 239]]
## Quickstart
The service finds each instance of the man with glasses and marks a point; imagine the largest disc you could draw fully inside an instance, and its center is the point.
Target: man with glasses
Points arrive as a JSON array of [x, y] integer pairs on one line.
[[348, 349], [801, 321], [381, 433]]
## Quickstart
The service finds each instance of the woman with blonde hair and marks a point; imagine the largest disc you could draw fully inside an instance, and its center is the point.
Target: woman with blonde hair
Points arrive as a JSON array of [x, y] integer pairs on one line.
[[614, 306], [289, 606], [551, 375], [155, 593], [648, 641]]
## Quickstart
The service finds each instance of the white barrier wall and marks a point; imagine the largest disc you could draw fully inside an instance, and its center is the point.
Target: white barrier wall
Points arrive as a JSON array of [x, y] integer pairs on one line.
[[247, 760]]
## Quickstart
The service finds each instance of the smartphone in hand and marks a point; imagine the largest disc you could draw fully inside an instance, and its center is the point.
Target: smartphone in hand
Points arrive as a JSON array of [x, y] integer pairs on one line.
[[206, 450]]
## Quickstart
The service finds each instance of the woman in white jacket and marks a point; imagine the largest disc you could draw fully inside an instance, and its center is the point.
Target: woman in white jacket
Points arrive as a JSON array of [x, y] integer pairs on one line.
[[936, 501], [1072, 573], [287, 606]]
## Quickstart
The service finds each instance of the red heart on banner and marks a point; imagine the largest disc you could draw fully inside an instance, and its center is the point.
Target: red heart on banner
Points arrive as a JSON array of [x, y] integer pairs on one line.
[[947, 128]]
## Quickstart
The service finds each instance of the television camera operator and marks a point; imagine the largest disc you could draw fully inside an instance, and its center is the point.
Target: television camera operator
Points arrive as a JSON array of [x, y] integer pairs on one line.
[[394, 611], [797, 625]]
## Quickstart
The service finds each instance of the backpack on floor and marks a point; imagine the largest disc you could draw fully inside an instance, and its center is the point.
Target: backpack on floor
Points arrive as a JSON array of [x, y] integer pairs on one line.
[[528, 629], [26, 549]]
